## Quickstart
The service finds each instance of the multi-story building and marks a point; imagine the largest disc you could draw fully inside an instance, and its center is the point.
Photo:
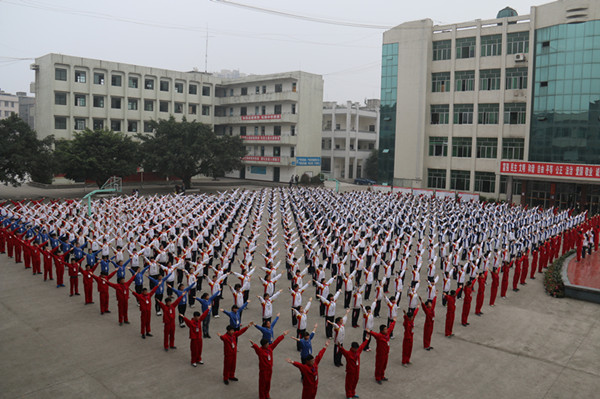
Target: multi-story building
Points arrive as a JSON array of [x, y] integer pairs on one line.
[[350, 133], [9, 103], [507, 107], [277, 115], [27, 108]]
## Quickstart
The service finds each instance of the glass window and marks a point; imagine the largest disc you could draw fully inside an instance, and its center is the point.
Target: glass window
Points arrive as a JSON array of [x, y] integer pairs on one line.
[[79, 124], [440, 82], [80, 100], [487, 147], [60, 98], [278, 88], [465, 47], [163, 106], [513, 148], [192, 109], [489, 79], [293, 108], [491, 45], [517, 42], [149, 84], [132, 126], [440, 114], [293, 130], [488, 114], [178, 87], [516, 185], [516, 78], [98, 124], [442, 50], [277, 130], [80, 76], [438, 146], [436, 178], [164, 85], [276, 151], [514, 113], [178, 108], [461, 147], [60, 74], [293, 90], [115, 102], [464, 80], [485, 182], [148, 105], [148, 127], [132, 104], [115, 125], [206, 110], [463, 114], [460, 180], [206, 90], [60, 122], [264, 89], [98, 78], [192, 89], [116, 80], [244, 91], [98, 101]]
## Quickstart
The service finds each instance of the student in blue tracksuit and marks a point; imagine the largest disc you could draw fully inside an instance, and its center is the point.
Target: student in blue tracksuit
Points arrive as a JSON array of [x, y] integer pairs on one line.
[[234, 315], [158, 295], [182, 306], [267, 329], [139, 279], [305, 344], [205, 301]]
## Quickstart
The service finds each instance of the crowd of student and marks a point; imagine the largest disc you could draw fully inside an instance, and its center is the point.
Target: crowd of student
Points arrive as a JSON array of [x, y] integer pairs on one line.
[[366, 249]]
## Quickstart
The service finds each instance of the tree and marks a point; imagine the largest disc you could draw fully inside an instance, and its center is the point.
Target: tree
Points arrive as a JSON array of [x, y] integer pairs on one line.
[[97, 155], [22, 155], [372, 166], [224, 155]]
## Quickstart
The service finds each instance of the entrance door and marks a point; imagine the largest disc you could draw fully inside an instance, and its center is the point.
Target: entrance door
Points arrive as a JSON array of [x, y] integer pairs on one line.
[[276, 173], [243, 172]]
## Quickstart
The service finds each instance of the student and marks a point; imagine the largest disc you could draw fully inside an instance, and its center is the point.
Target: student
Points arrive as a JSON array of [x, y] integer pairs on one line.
[[429, 310], [305, 343], [102, 282], [407, 342], [158, 296], [265, 364], [122, 290], [207, 302], [310, 373], [195, 326], [383, 350], [352, 366], [450, 311], [267, 328], [467, 304], [74, 276], [340, 333], [234, 315], [230, 351], [183, 304], [168, 309], [145, 303]]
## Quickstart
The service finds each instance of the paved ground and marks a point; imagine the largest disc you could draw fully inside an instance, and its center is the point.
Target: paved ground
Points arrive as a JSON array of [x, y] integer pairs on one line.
[[586, 272]]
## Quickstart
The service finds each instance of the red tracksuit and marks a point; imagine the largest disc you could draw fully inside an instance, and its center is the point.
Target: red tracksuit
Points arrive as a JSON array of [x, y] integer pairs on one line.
[[579, 245], [265, 367], [26, 245], [122, 290], [74, 277], [47, 264], [382, 352], [407, 342], [467, 304], [17, 247], [505, 276], [494, 288], [88, 283], [103, 290], [534, 261], [429, 318], [168, 320], [310, 376], [517, 274], [230, 353], [196, 336], [450, 311], [35, 259], [145, 302], [480, 293], [352, 368], [524, 267]]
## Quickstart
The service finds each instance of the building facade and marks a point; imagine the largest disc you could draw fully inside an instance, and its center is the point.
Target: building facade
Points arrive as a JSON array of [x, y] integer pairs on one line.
[[350, 133], [27, 108], [506, 107], [9, 103], [74, 93]]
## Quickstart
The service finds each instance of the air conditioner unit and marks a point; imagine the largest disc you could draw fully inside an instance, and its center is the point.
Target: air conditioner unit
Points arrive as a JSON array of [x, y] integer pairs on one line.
[[34, 67], [520, 57]]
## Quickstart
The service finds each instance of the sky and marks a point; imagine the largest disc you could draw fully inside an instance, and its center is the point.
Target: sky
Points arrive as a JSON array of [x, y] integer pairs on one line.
[[339, 39]]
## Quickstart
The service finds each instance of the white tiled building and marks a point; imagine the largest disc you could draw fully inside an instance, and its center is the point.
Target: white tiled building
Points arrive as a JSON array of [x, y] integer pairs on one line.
[[9, 103]]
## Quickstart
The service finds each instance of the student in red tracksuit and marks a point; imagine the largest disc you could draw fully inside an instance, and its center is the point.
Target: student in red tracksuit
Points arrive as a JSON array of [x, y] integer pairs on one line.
[[230, 351], [534, 261], [122, 290], [74, 276], [495, 283], [310, 373], [517, 274], [195, 326], [26, 245], [383, 349], [265, 364], [59, 264], [505, 275], [429, 309], [145, 301], [524, 267], [102, 281], [352, 366], [407, 341], [467, 303], [168, 309], [47, 262], [88, 282], [480, 293], [450, 312], [35, 259]]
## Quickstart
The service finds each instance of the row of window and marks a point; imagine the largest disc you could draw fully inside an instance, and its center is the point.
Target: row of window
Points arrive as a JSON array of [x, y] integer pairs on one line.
[[9, 104], [260, 151], [488, 114], [132, 126], [489, 79], [244, 91], [517, 42], [116, 80], [262, 110], [512, 148], [485, 182]]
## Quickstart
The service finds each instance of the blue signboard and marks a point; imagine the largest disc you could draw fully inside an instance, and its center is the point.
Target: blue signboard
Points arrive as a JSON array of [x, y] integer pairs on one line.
[[308, 161], [258, 170]]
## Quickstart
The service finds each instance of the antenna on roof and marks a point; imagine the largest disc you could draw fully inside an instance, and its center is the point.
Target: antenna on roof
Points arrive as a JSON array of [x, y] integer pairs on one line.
[[206, 52]]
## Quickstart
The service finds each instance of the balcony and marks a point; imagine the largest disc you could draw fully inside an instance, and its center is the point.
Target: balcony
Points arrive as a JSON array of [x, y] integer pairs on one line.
[[253, 119], [284, 96], [270, 139]]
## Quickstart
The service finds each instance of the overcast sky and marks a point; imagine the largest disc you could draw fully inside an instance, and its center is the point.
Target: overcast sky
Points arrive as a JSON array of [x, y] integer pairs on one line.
[[172, 35]]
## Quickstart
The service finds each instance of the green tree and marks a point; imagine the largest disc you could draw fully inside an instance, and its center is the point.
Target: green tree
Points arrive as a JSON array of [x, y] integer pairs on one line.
[[22, 155], [224, 155], [372, 166], [97, 155]]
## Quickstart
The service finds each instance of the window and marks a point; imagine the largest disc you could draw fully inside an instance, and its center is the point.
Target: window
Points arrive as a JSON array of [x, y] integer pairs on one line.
[[485, 182], [115, 102], [491, 45], [371, 128], [440, 114], [132, 104], [489, 79], [116, 80], [438, 147], [98, 78], [440, 82], [461, 147], [163, 106], [192, 109], [516, 78], [513, 148], [60, 74], [464, 80], [278, 88], [242, 130], [264, 89], [487, 147], [164, 85], [442, 50], [256, 130], [436, 178], [292, 152], [192, 89], [133, 82], [206, 90], [276, 151], [243, 111], [488, 114], [149, 84], [80, 76], [149, 105], [293, 108], [60, 122], [206, 110], [263, 109], [230, 92], [276, 109], [465, 47], [460, 180], [115, 125], [230, 111], [79, 124], [514, 113], [60, 98], [277, 130], [80, 100], [517, 42], [178, 87], [257, 90], [98, 101], [98, 124], [256, 110], [463, 114], [294, 87], [262, 130], [178, 108], [293, 130], [516, 186], [262, 151], [132, 126], [244, 91], [148, 127]]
